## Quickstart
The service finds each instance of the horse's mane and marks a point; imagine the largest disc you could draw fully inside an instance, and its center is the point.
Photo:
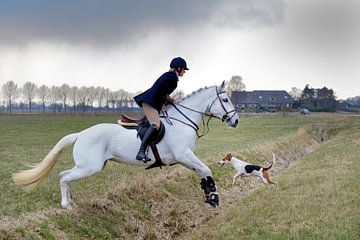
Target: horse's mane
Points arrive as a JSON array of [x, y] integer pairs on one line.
[[193, 93], [187, 97]]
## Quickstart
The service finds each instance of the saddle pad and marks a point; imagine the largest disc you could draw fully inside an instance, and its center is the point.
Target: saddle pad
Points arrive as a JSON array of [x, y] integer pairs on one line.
[[126, 124], [141, 129]]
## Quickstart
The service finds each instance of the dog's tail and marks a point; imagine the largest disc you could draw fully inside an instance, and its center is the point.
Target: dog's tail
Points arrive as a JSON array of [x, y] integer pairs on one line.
[[273, 162], [265, 171]]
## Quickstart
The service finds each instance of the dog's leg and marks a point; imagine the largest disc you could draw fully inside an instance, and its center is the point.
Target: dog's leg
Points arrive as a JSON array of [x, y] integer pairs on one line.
[[263, 180], [236, 176]]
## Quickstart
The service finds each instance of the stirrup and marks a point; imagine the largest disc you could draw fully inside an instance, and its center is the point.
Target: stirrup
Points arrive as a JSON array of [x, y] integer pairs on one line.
[[145, 160]]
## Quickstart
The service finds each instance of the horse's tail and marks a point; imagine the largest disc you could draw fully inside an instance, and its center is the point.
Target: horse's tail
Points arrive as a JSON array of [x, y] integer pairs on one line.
[[33, 177]]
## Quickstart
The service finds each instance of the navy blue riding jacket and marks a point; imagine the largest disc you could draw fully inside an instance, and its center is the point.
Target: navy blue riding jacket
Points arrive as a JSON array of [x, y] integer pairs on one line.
[[155, 96]]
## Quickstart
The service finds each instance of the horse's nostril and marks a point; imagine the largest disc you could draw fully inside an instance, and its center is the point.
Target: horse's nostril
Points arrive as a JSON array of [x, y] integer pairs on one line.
[[235, 123]]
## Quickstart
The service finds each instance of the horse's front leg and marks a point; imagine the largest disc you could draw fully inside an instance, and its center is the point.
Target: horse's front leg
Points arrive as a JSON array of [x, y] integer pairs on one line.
[[207, 182]]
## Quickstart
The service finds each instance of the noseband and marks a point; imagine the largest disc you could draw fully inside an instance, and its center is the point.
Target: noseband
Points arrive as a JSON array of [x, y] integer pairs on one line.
[[192, 124]]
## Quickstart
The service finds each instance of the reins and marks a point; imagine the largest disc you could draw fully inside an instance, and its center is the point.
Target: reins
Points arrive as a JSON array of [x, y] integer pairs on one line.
[[192, 124]]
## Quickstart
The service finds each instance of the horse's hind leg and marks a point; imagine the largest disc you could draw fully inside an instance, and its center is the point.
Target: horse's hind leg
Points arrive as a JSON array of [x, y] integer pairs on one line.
[[71, 175], [64, 188]]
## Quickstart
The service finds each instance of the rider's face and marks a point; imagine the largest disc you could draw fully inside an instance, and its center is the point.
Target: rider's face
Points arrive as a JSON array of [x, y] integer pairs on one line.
[[182, 72]]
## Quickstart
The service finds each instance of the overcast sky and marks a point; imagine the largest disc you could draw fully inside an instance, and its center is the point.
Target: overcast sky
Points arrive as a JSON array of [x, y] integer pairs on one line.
[[272, 44]]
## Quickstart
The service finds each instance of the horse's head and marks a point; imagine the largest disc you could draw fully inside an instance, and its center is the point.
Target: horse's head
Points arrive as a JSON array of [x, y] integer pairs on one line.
[[223, 108]]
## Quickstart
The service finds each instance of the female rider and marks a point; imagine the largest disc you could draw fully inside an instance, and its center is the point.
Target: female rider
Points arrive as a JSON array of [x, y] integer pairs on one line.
[[155, 97]]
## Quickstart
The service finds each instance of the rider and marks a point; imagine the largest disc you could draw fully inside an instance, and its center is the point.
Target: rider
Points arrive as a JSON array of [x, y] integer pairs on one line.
[[153, 99]]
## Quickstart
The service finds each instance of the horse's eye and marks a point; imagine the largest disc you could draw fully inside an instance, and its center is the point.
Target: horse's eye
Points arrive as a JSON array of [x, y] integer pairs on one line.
[[225, 100]]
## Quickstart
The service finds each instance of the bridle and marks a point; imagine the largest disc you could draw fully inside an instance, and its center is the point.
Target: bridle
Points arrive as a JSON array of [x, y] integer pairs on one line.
[[226, 117]]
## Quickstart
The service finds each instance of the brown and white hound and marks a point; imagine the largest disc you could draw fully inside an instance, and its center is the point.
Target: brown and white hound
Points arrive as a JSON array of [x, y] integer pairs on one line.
[[244, 169]]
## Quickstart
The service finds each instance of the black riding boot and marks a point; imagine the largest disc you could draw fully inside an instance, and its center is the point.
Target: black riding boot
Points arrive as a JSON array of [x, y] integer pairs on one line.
[[141, 156]]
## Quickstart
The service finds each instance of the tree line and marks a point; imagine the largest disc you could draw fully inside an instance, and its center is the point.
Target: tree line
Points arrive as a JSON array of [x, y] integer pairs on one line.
[[67, 98], [64, 98], [315, 99]]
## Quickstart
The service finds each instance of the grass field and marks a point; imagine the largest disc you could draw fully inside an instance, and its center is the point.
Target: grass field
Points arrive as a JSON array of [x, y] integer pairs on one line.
[[315, 200]]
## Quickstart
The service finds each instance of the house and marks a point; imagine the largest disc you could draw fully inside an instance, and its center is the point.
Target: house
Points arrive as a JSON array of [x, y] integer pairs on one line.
[[349, 106], [261, 99]]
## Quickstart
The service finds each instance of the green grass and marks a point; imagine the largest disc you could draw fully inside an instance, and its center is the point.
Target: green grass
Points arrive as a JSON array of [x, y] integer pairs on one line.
[[318, 199], [27, 139]]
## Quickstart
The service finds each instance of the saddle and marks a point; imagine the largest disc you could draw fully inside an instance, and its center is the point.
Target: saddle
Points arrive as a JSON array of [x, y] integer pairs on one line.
[[127, 121], [141, 125]]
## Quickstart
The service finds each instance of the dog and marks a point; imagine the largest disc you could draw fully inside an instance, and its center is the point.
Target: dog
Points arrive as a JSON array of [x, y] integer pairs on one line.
[[245, 169]]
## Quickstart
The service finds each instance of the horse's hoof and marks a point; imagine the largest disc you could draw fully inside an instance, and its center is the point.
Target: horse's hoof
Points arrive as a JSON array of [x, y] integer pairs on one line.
[[66, 206], [212, 199], [144, 159]]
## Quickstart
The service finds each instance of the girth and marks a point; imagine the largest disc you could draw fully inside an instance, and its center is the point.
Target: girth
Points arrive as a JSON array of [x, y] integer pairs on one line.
[[141, 125]]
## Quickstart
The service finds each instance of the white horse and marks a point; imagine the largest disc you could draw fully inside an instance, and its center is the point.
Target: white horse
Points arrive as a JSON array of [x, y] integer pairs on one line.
[[99, 143]]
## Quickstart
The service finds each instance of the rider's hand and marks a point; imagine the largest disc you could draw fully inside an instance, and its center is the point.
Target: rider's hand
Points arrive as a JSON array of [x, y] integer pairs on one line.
[[168, 100]]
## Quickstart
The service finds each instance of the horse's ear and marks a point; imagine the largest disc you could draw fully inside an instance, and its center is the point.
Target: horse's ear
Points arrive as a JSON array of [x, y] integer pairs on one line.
[[222, 86]]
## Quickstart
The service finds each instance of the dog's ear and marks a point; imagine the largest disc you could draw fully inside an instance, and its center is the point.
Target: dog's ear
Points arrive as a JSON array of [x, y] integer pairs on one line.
[[228, 157]]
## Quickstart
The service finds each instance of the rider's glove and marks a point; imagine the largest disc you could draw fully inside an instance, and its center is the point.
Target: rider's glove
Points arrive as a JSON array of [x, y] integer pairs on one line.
[[168, 100]]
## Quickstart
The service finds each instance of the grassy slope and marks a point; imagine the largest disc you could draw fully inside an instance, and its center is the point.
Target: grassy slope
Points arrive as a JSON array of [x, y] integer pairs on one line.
[[90, 222], [317, 199]]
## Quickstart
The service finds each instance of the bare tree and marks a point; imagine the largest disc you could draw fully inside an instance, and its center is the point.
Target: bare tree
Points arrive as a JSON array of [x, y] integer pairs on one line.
[[54, 96], [107, 96], [133, 95], [100, 94], [235, 84], [64, 91], [295, 93], [43, 93], [121, 93], [11, 92], [73, 96], [131, 100], [29, 92], [91, 96], [126, 98], [123, 98], [82, 97], [114, 96]]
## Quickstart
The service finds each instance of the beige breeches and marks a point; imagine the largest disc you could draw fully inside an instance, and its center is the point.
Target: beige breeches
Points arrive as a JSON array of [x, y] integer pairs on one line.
[[151, 114]]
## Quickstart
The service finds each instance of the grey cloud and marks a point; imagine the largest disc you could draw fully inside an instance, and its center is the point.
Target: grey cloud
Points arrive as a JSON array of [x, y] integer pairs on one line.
[[326, 26], [114, 21], [250, 14]]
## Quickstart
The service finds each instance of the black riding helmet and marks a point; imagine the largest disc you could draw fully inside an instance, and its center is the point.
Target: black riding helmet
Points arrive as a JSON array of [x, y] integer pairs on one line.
[[178, 62]]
